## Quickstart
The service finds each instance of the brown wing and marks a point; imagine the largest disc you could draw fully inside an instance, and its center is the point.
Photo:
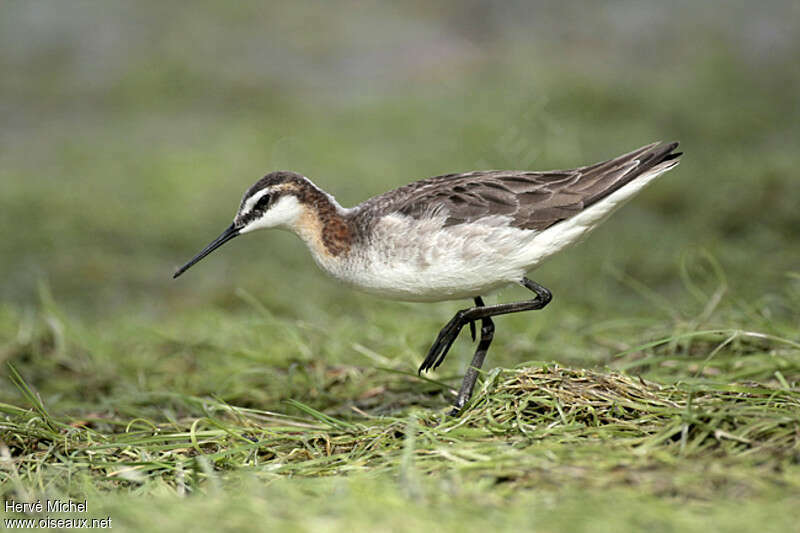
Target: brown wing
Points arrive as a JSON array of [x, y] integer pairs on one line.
[[534, 200]]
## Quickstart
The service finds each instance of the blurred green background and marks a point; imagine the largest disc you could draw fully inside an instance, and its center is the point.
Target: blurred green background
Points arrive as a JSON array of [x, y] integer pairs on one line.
[[129, 131]]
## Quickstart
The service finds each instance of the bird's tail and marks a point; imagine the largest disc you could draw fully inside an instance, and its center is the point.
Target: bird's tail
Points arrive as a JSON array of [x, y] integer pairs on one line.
[[604, 179]]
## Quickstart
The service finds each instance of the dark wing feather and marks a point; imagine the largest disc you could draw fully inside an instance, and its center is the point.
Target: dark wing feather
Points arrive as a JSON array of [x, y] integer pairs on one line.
[[534, 200]]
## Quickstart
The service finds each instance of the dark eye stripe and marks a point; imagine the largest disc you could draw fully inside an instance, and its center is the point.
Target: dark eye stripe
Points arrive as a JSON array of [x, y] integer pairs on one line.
[[259, 208], [263, 202]]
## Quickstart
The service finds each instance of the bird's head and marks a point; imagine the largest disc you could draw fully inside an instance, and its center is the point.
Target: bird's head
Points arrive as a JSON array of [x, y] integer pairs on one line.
[[274, 201]]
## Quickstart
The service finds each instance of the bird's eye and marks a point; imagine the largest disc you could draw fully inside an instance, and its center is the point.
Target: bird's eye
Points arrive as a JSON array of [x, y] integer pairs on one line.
[[263, 202]]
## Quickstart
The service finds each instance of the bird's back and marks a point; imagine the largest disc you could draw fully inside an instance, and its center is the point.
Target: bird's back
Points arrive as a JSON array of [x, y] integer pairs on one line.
[[533, 200]]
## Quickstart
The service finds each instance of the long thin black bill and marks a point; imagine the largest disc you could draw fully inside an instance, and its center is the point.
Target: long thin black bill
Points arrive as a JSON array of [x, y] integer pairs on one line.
[[227, 235]]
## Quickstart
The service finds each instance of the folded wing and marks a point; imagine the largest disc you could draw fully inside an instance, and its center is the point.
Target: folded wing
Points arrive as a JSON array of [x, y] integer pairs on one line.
[[533, 200]]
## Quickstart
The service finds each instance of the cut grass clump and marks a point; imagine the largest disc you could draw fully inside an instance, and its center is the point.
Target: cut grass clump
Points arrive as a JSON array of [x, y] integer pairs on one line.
[[548, 400]]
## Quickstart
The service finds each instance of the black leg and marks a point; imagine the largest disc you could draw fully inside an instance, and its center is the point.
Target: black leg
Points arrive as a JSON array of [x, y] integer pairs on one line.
[[483, 313], [471, 375]]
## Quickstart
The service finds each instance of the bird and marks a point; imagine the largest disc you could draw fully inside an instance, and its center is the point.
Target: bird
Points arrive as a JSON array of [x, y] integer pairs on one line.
[[449, 237]]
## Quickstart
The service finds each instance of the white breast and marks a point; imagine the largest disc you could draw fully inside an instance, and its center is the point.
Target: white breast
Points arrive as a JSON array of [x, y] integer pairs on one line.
[[422, 260]]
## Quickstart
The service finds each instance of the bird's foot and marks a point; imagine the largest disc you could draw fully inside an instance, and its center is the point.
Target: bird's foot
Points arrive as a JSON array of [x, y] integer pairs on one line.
[[443, 343]]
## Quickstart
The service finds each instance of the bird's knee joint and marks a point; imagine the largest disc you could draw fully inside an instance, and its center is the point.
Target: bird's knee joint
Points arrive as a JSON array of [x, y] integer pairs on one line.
[[544, 296]]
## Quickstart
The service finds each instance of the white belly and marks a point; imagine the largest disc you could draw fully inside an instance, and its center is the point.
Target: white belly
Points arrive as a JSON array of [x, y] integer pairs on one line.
[[420, 260]]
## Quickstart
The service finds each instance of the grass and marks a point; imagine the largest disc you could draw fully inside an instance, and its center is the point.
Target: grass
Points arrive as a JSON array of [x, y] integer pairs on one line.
[[713, 425], [659, 390], [521, 425]]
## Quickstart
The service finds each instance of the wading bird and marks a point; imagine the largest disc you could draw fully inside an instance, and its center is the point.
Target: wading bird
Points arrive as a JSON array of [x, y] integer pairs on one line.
[[449, 237]]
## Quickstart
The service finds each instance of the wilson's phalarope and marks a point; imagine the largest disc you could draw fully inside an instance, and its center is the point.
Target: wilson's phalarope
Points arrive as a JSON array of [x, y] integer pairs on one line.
[[449, 237]]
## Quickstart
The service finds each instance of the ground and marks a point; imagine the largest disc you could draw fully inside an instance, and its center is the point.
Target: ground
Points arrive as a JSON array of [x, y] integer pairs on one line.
[[658, 390]]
